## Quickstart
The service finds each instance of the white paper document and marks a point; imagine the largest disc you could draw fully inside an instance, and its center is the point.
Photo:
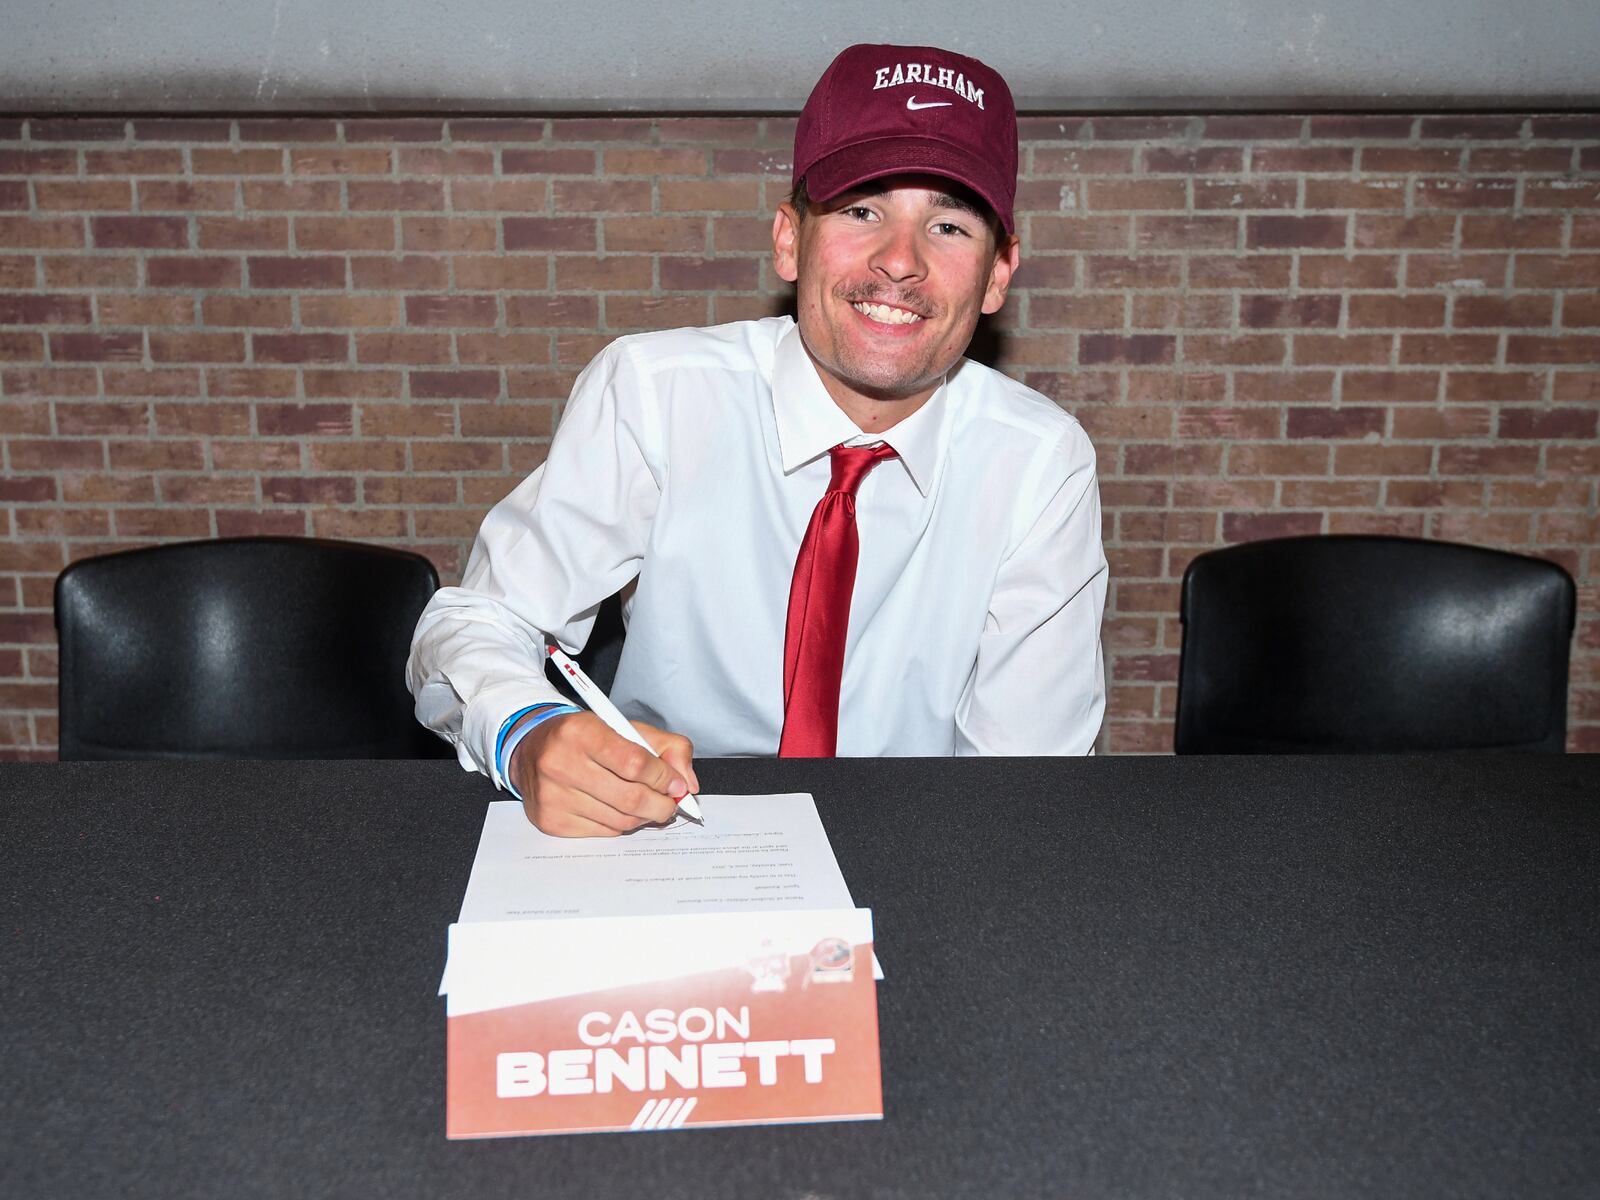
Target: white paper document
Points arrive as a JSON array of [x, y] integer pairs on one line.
[[754, 854]]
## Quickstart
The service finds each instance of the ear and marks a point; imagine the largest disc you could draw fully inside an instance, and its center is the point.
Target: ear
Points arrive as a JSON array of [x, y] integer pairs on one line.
[[1006, 260], [785, 242]]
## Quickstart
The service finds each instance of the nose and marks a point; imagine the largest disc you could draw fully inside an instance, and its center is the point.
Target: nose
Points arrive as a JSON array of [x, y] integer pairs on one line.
[[898, 255]]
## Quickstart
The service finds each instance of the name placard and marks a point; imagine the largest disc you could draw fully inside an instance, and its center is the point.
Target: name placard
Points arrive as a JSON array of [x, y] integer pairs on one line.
[[644, 1023]]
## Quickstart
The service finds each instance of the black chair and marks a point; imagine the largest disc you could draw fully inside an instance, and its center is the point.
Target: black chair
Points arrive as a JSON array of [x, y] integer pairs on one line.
[[1372, 644], [242, 648]]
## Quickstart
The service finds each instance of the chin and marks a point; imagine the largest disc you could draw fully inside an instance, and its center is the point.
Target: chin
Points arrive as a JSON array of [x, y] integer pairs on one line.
[[881, 383]]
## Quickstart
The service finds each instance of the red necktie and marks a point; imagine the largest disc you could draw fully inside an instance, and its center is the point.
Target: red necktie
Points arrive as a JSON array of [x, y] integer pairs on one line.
[[819, 609]]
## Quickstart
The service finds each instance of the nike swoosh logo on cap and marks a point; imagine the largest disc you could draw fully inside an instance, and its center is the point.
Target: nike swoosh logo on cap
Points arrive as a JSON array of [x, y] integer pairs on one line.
[[911, 103]]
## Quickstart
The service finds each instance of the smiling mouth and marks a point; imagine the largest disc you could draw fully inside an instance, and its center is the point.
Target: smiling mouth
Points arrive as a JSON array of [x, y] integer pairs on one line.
[[888, 314]]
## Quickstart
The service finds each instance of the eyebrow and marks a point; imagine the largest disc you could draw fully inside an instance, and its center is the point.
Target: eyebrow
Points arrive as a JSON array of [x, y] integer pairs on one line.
[[959, 203]]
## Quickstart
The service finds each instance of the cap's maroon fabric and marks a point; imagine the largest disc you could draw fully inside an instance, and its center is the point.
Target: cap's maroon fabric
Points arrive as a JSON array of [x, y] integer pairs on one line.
[[888, 110]]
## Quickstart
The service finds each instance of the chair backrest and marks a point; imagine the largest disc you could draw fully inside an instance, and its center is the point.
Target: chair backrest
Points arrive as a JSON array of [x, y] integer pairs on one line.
[[242, 648], [1372, 644]]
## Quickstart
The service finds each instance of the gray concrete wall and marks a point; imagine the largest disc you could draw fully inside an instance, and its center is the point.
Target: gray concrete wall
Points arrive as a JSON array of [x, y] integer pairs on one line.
[[720, 55]]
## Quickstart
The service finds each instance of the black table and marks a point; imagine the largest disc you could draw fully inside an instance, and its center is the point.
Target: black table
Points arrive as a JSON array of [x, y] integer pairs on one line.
[[1113, 977]]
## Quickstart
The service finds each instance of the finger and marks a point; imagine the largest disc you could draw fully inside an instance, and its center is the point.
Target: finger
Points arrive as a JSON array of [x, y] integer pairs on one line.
[[574, 763], [673, 749], [633, 804], [680, 760], [563, 806], [563, 823], [628, 761]]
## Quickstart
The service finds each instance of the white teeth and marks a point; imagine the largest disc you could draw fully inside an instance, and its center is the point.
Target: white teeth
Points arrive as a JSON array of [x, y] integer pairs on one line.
[[886, 314]]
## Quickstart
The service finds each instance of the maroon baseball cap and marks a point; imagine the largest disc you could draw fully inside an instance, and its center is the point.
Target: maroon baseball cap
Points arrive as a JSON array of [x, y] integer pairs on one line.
[[890, 110]]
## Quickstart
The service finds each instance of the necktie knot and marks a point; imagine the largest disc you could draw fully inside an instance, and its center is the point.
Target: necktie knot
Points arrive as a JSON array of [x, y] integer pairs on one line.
[[851, 464]]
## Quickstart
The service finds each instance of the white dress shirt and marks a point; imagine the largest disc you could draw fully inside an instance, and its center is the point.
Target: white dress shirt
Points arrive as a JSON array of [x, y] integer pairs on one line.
[[688, 463]]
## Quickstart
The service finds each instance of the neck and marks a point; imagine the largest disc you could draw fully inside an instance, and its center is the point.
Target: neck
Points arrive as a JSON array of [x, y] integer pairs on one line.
[[877, 416], [872, 414]]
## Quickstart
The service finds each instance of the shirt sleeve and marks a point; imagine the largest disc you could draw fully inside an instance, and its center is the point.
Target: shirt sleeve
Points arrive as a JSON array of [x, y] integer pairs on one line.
[[569, 536], [1038, 687]]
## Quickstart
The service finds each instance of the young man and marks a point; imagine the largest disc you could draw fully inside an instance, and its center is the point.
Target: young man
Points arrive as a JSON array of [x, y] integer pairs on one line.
[[839, 535]]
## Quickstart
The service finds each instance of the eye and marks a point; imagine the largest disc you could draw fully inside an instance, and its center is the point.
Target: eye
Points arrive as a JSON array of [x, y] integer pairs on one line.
[[950, 229], [857, 212]]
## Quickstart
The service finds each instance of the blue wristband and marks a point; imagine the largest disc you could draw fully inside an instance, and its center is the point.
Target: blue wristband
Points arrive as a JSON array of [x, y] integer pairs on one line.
[[506, 745], [505, 728]]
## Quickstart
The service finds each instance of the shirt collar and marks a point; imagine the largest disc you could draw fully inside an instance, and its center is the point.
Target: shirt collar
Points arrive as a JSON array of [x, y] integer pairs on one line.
[[810, 423]]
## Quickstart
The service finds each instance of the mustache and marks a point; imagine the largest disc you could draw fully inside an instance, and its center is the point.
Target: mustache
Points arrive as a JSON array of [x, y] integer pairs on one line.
[[879, 293]]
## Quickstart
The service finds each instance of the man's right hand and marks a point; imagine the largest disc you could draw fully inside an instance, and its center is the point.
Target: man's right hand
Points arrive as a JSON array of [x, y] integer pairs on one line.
[[579, 779]]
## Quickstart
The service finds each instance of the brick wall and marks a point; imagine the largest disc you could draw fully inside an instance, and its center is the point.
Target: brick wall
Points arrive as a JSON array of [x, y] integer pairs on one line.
[[364, 328]]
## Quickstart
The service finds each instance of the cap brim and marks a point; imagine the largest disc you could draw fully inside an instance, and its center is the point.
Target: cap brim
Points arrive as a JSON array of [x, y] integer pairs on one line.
[[865, 161]]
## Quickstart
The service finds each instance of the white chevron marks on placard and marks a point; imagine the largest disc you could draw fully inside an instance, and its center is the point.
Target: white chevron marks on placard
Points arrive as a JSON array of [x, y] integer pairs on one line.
[[663, 1114]]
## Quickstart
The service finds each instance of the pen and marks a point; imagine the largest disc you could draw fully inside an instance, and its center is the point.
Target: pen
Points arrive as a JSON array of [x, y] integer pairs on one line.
[[600, 705]]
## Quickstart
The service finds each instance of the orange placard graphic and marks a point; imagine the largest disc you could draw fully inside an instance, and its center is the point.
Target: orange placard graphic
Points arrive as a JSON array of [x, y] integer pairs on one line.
[[773, 1038]]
